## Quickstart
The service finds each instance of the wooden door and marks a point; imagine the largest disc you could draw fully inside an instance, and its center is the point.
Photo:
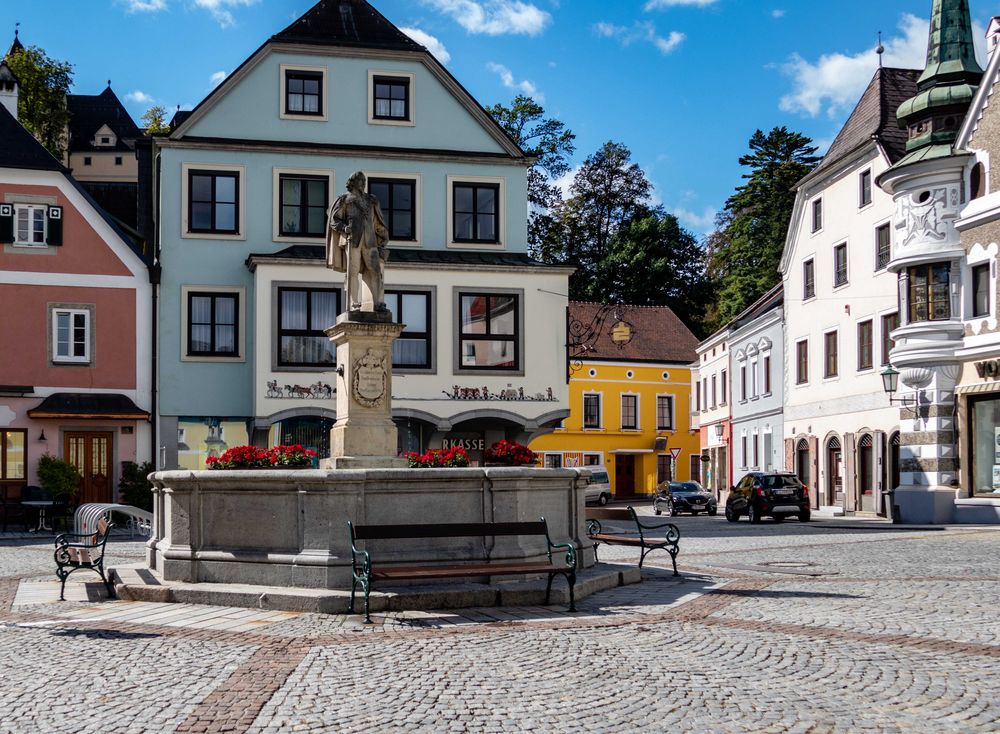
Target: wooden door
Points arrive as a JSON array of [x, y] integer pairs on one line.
[[90, 452], [625, 475]]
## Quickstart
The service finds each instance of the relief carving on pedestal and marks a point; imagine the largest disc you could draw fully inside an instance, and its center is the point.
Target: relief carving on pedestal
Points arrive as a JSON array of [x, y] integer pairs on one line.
[[368, 379]]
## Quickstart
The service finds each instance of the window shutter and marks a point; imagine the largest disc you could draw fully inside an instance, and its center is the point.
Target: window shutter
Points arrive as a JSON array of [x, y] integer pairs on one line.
[[55, 226], [6, 224]]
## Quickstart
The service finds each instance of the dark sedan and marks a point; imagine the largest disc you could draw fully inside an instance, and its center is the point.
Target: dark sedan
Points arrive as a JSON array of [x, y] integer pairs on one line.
[[676, 497]]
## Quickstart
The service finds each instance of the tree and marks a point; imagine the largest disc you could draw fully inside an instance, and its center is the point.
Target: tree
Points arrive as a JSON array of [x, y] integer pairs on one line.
[[745, 250], [608, 190], [653, 261], [550, 142], [43, 86], [154, 121]]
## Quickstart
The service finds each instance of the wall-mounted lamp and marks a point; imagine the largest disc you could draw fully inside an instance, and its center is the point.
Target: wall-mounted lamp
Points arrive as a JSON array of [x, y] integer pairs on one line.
[[890, 382], [41, 436]]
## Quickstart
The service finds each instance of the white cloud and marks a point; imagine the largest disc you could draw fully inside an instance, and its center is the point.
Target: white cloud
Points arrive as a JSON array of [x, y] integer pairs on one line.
[[144, 6], [566, 180], [835, 82], [777, 13], [494, 17], [138, 97], [507, 79], [659, 4], [644, 32], [431, 43], [216, 78], [220, 9], [703, 223]]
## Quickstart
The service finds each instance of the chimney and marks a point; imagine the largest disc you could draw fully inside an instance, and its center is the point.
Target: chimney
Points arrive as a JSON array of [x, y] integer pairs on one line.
[[993, 35], [8, 89]]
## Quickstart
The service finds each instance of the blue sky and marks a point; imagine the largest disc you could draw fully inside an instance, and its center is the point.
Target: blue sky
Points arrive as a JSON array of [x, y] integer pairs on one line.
[[683, 83]]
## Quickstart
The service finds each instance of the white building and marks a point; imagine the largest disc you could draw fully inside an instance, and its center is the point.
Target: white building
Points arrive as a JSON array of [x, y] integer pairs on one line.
[[710, 387], [840, 307]]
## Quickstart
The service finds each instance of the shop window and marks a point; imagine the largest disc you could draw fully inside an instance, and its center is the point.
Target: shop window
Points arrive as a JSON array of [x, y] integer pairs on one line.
[[553, 461], [984, 413]]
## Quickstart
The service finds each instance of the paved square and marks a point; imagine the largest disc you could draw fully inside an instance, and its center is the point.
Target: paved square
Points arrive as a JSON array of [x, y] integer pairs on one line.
[[826, 627]]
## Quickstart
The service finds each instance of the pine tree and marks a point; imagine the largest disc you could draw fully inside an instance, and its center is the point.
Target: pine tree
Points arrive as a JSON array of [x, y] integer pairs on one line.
[[745, 250]]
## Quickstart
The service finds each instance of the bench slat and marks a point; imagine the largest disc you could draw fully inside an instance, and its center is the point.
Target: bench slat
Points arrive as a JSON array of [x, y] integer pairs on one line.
[[448, 530], [493, 569], [608, 513]]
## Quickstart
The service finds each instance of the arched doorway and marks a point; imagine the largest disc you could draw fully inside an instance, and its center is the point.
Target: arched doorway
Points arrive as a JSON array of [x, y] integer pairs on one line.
[[866, 474], [834, 478], [802, 461], [893, 461]]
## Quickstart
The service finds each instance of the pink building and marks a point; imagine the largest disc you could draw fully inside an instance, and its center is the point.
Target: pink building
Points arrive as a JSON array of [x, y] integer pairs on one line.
[[76, 327]]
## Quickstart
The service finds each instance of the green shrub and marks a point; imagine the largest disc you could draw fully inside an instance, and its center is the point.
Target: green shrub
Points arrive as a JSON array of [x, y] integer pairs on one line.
[[59, 477], [133, 486]]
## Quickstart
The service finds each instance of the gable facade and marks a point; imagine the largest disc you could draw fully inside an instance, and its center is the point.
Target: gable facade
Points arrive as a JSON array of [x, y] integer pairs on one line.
[[244, 184]]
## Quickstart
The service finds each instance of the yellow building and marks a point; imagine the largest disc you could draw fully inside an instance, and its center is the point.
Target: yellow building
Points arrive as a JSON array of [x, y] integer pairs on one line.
[[630, 396]]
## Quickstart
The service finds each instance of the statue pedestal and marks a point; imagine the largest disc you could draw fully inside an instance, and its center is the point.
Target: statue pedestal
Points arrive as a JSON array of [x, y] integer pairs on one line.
[[364, 436]]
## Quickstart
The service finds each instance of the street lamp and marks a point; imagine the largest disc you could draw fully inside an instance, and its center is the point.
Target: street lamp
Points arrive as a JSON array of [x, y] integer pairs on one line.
[[890, 382]]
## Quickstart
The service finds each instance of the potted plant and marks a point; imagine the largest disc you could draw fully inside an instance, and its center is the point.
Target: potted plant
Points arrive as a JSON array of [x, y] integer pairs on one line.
[[58, 477], [252, 457], [510, 453]]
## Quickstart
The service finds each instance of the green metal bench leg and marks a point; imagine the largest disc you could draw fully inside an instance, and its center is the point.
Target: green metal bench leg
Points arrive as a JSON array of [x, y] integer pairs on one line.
[[354, 586], [571, 578], [367, 587], [673, 559]]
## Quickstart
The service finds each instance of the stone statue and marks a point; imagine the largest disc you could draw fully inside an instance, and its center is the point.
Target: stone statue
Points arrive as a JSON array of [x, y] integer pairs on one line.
[[356, 240]]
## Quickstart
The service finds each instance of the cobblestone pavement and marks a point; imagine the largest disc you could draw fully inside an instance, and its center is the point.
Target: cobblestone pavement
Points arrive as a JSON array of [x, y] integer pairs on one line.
[[831, 626]]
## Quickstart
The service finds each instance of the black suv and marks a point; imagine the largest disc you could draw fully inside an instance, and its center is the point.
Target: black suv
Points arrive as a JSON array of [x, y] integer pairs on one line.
[[778, 494]]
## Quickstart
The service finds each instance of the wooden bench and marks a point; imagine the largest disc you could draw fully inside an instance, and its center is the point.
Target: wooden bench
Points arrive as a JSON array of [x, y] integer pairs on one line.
[[640, 538], [83, 550], [366, 572]]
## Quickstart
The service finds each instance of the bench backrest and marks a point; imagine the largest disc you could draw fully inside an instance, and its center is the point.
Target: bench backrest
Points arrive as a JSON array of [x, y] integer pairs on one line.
[[610, 513], [447, 530]]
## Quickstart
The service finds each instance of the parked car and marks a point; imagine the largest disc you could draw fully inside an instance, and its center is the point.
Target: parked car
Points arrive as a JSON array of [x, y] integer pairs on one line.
[[675, 497], [599, 485], [759, 494]]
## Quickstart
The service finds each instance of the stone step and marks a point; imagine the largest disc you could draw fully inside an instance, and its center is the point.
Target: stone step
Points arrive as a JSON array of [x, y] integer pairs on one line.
[[145, 585]]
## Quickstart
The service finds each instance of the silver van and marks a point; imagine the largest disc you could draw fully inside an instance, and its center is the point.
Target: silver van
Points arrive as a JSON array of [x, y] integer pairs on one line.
[[598, 485]]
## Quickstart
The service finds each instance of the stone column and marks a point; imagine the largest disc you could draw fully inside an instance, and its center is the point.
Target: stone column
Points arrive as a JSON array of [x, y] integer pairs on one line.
[[364, 436]]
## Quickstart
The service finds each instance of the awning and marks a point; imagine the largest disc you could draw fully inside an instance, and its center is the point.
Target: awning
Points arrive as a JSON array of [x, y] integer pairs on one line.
[[88, 405], [977, 388]]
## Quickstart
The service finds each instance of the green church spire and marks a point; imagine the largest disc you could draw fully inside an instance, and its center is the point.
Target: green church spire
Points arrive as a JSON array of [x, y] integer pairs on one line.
[[947, 86]]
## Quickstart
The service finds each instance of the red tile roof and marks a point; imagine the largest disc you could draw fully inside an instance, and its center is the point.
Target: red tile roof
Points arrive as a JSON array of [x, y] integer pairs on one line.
[[657, 334]]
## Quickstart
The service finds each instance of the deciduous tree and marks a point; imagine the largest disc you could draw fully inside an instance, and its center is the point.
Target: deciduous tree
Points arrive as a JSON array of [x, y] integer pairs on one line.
[[154, 121], [41, 105]]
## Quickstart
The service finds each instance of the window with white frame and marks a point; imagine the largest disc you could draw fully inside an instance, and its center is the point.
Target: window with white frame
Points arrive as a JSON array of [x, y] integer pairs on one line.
[[303, 316], [756, 450], [664, 412], [413, 348], [743, 450], [30, 224], [630, 412], [213, 324], [743, 382], [489, 337], [767, 374], [71, 335], [753, 378], [303, 93], [592, 410]]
